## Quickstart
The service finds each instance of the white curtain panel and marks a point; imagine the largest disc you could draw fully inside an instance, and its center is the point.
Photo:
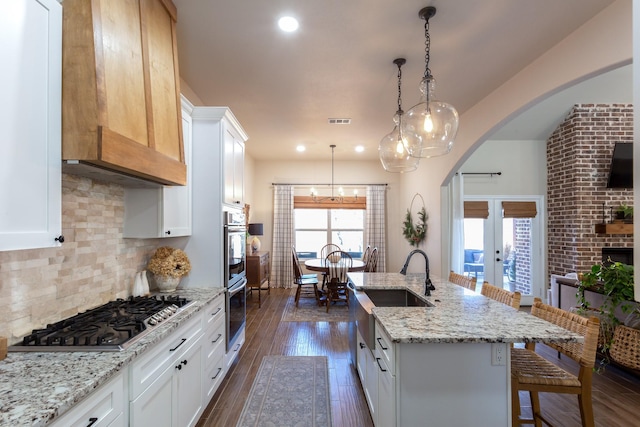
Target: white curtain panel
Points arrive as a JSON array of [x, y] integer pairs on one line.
[[375, 222], [283, 232], [456, 188]]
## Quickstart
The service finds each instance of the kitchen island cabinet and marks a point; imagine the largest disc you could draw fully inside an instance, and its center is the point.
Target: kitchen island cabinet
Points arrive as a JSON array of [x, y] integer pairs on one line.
[[31, 34], [439, 363], [121, 91]]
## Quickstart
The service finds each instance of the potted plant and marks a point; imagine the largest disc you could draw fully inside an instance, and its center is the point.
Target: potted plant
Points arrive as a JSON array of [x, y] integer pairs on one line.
[[168, 265], [624, 213], [615, 281]]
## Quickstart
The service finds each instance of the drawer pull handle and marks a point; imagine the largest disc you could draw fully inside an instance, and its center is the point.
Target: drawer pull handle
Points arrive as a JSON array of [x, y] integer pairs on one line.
[[381, 345], [237, 347], [217, 373], [176, 347], [379, 365], [92, 421], [217, 311], [217, 338]]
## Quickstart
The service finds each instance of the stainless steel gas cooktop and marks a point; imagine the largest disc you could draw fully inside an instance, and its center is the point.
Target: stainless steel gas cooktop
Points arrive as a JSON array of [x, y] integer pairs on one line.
[[111, 327]]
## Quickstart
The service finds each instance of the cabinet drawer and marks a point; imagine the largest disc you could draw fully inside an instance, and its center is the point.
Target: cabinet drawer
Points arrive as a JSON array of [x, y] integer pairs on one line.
[[214, 312], [214, 341], [214, 375], [100, 409], [385, 349], [150, 366]]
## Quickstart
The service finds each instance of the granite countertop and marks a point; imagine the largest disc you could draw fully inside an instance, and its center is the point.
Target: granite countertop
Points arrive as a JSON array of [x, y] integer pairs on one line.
[[458, 315], [37, 387]]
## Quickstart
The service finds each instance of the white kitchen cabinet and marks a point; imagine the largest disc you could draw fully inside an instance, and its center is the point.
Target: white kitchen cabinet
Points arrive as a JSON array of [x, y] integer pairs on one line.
[[163, 211], [415, 383], [211, 127], [371, 383], [233, 167], [166, 382], [103, 408], [213, 347], [30, 118]]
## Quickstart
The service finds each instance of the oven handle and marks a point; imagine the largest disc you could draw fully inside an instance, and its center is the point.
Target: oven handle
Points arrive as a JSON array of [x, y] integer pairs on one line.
[[237, 288]]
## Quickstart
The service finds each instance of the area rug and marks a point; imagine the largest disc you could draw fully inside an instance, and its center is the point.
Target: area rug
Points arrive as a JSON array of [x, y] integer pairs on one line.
[[308, 310], [289, 391]]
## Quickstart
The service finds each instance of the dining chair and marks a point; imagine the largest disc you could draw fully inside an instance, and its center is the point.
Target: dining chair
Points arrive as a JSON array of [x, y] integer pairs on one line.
[[501, 295], [462, 280], [326, 250], [338, 264], [371, 266], [307, 283], [535, 374], [365, 254]]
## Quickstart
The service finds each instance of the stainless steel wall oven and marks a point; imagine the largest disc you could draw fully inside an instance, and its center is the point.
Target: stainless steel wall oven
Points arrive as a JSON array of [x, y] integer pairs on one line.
[[235, 243]]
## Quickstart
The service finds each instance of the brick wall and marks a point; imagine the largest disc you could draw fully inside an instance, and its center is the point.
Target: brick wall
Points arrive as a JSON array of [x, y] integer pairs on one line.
[[578, 161], [93, 266]]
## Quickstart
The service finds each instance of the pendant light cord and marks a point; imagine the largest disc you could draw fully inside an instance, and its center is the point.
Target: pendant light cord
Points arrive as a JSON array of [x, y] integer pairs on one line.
[[427, 47]]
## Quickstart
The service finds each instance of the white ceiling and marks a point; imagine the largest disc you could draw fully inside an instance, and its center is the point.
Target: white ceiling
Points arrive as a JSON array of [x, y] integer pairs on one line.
[[283, 88]]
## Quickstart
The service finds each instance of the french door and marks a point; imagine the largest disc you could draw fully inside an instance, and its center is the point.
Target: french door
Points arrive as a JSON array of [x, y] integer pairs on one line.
[[503, 244]]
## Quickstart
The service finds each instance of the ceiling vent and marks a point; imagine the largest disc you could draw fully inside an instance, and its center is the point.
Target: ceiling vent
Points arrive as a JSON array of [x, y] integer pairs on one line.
[[339, 121]]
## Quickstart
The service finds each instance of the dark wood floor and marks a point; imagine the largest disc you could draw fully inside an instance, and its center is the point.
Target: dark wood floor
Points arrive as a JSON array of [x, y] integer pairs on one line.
[[616, 394]]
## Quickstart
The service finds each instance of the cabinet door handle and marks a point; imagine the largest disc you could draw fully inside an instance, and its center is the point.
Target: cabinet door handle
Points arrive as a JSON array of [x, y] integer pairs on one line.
[[381, 345], [176, 347], [168, 232], [178, 366], [217, 338], [92, 421], [379, 365], [217, 311], [184, 362], [60, 239], [362, 345], [217, 373]]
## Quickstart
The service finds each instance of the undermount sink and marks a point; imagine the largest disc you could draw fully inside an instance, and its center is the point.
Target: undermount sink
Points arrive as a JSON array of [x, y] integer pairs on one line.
[[395, 298]]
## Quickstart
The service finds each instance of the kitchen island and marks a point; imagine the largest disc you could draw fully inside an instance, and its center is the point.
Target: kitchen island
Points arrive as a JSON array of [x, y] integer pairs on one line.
[[443, 364], [39, 387]]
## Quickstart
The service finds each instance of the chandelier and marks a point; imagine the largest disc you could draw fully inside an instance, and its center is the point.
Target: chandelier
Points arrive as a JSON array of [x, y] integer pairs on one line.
[[340, 193], [431, 125], [392, 150]]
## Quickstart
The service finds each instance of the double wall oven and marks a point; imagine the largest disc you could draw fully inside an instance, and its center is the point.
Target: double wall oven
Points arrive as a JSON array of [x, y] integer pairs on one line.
[[235, 243]]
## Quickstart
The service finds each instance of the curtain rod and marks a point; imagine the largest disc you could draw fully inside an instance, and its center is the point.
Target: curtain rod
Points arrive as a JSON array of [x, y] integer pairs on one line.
[[479, 173], [311, 185]]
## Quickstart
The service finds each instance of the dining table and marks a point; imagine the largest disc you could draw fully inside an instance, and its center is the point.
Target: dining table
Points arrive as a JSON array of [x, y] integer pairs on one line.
[[318, 264]]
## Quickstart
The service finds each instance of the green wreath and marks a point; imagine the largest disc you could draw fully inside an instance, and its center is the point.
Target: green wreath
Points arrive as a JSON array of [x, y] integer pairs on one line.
[[415, 234]]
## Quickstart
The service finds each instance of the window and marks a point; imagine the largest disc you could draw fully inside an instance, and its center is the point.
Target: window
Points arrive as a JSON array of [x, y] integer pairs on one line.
[[314, 228]]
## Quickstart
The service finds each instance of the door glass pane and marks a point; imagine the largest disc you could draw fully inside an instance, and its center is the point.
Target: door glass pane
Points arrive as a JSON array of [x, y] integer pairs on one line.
[[474, 248], [518, 254]]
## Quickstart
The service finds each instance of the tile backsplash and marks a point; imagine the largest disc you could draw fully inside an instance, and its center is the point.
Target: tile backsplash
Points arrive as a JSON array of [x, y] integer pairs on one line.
[[93, 266]]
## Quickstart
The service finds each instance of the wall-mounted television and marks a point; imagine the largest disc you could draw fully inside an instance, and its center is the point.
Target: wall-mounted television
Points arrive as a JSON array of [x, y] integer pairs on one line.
[[621, 170]]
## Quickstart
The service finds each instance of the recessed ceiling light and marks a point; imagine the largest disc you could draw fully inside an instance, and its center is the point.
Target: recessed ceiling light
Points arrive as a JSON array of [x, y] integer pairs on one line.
[[288, 24], [300, 148], [359, 148]]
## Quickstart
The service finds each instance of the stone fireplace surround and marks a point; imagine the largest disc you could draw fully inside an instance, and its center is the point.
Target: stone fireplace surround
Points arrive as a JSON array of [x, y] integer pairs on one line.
[[578, 160]]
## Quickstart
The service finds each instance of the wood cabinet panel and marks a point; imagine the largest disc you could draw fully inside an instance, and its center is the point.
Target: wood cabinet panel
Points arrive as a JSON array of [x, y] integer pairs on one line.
[[121, 95]]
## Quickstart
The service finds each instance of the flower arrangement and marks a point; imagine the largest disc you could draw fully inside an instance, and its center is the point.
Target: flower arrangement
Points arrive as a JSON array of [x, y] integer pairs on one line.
[[169, 262]]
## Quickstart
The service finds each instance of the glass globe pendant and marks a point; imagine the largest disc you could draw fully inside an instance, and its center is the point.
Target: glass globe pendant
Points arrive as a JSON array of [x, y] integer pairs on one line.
[[430, 127], [392, 149]]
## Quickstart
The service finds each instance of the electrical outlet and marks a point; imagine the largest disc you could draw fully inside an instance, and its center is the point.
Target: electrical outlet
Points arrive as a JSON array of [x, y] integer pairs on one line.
[[498, 354]]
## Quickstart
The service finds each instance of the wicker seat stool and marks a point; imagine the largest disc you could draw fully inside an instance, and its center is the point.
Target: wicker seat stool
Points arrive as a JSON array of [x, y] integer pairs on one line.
[[535, 374]]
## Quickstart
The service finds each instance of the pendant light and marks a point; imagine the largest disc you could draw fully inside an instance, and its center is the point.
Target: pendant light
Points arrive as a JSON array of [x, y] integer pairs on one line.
[[430, 126], [392, 149]]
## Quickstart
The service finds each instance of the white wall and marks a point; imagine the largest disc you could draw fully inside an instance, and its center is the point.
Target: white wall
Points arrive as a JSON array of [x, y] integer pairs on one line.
[[523, 165]]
